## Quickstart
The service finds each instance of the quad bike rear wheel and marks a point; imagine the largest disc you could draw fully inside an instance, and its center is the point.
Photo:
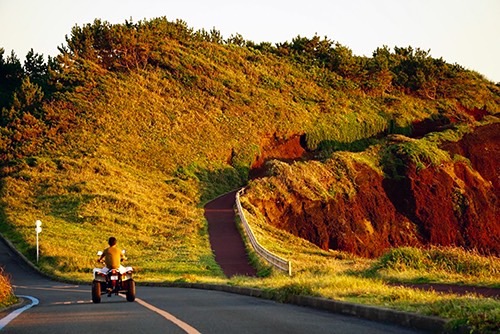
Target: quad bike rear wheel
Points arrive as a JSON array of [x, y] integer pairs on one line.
[[96, 292], [131, 290]]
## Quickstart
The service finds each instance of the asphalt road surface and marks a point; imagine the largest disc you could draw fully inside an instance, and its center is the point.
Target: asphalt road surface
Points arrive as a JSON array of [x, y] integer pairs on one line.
[[66, 308], [225, 238]]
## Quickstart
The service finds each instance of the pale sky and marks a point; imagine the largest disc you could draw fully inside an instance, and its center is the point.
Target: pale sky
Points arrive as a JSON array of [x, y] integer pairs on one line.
[[461, 31]]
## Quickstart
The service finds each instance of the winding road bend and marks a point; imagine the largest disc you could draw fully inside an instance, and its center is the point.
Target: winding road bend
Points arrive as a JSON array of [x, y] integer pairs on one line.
[[67, 308], [52, 307]]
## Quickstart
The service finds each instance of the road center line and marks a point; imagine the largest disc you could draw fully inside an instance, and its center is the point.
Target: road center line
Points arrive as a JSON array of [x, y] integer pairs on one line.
[[62, 288], [187, 328], [4, 321]]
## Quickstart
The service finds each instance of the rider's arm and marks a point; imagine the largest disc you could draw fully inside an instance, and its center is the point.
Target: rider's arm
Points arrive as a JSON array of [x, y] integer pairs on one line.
[[102, 256]]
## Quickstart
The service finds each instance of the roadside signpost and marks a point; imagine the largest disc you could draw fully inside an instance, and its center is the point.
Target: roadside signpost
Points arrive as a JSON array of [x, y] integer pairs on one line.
[[38, 229]]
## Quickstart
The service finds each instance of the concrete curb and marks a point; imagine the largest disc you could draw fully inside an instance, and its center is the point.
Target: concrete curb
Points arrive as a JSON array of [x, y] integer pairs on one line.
[[405, 319], [20, 302]]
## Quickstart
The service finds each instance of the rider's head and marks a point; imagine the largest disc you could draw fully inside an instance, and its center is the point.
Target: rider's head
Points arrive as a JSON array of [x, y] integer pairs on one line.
[[112, 241]]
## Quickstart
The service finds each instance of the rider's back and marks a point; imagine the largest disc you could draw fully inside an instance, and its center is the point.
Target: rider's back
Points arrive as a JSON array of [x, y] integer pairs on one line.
[[112, 257]]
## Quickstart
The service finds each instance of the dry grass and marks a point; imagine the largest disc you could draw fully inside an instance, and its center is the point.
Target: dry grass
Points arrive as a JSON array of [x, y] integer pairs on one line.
[[7, 297]]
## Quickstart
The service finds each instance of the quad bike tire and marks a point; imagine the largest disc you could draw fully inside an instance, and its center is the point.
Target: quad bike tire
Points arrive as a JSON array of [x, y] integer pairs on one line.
[[96, 292], [131, 290]]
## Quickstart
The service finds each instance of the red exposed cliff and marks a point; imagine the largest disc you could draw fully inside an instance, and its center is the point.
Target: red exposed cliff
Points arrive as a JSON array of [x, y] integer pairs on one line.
[[482, 148], [454, 204]]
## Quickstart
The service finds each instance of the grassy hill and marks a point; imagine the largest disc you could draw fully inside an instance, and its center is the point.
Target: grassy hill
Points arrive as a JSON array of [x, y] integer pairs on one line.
[[133, 127]]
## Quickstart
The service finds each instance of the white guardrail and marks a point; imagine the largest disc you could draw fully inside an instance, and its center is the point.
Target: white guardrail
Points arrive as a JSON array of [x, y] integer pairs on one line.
[[273, 259]]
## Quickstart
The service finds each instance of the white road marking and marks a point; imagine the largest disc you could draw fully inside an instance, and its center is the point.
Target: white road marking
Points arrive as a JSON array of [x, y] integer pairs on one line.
[[11, 316], [72, 302], [60, 288], [179, 323]]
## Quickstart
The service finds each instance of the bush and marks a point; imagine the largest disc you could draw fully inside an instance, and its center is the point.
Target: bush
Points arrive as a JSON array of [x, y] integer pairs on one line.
[[451, 260], [7, 296]]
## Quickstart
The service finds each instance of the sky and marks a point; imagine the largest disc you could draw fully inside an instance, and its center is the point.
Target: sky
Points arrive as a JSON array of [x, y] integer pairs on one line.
[[466, 32]]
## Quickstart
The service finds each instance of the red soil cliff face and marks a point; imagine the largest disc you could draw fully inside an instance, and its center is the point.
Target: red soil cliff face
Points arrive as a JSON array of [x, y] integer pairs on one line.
[[450, 205], [482, 148], [274, 148]]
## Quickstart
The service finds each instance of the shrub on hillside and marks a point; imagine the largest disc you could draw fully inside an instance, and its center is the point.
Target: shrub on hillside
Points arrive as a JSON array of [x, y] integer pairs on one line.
[[446, 259], [7, 296]]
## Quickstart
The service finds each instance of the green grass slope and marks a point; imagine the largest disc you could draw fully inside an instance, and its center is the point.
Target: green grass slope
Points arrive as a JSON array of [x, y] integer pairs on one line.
[[137, 125], [133, 127]]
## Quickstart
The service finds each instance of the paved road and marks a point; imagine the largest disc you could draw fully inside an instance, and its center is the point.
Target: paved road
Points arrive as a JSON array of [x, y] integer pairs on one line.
[[66, 308], [225, 238]]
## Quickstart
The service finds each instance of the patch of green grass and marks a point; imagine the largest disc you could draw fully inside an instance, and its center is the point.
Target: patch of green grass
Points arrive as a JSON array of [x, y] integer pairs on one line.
[[437, 264], [404, 151]]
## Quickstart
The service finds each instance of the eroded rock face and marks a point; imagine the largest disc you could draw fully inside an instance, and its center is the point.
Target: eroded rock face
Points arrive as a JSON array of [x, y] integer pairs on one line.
[[449, 205], [482, 148], [274, 148]]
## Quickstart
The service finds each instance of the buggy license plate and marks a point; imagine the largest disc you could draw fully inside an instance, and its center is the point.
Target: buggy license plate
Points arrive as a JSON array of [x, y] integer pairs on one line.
[[114, 278]]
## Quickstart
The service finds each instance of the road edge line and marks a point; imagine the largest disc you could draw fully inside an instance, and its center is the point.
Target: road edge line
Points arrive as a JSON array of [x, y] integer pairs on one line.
[[170, 317], [12, 315]]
